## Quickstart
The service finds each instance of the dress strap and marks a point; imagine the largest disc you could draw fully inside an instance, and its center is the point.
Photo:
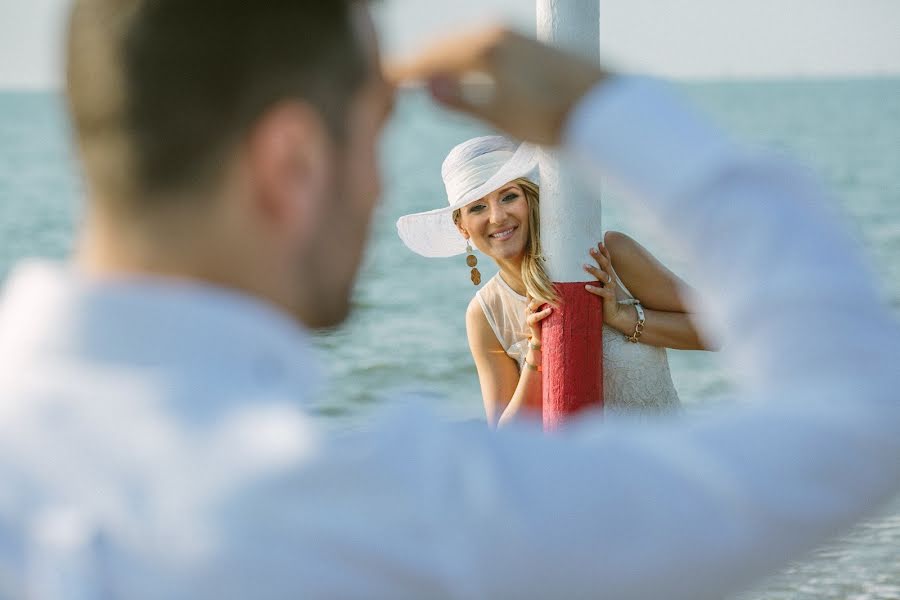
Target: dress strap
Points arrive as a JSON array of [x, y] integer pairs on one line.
[[624, 287]]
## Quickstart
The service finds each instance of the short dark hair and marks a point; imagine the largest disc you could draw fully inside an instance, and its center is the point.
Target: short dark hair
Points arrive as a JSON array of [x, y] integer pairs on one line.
[[172, 84]]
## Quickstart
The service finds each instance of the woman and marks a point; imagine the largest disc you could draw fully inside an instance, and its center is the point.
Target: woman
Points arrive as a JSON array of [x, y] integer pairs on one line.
[[492, 188]]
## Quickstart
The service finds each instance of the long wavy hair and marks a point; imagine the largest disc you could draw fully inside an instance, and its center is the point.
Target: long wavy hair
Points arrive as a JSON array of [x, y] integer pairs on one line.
[[537, 283]]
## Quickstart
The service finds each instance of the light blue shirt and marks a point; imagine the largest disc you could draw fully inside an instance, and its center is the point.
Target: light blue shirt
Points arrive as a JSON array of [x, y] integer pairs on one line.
[[153, 441]]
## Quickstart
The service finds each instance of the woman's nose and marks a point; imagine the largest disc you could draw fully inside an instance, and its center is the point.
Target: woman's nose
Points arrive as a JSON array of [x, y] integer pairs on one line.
[[498, 213]]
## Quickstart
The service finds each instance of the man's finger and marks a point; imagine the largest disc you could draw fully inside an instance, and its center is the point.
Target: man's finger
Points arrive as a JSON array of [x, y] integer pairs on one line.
[[453, 56]]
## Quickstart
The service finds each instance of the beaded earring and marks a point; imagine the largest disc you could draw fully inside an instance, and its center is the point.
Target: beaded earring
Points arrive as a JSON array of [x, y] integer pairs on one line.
[[472, 261]]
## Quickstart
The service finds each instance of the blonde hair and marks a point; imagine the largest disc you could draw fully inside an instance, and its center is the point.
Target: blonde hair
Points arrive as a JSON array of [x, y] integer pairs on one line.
[[537, 283]]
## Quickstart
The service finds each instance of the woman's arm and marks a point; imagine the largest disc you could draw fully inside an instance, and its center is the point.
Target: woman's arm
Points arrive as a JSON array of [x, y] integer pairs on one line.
[[668, 322], [503, 389], [661, 328]]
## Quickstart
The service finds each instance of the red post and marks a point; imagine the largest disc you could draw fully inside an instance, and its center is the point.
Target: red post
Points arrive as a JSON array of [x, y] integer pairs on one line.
[[573, 357]]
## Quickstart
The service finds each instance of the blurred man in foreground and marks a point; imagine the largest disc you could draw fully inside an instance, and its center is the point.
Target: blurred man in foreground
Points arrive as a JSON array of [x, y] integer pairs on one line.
[[153, 442]]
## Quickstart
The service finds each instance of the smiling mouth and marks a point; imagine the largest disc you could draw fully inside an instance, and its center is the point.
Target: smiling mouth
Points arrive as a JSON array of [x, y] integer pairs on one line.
[[503, 235]]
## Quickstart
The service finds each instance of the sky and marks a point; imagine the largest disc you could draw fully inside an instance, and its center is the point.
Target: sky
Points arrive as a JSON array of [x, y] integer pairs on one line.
[[685, 39]]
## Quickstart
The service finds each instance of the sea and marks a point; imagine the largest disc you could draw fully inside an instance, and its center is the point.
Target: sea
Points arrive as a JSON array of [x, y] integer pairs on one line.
[[407, 333]]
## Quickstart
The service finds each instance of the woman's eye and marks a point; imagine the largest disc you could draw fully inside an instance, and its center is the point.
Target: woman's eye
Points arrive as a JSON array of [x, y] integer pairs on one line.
[[510, 197], [476, 208]]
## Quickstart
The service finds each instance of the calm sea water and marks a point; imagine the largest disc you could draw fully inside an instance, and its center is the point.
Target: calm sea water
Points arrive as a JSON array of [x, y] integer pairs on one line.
[[407, 331]]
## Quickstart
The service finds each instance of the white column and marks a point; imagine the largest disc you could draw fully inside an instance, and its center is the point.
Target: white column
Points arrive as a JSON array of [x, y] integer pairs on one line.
[[570, 214], [570, 226]]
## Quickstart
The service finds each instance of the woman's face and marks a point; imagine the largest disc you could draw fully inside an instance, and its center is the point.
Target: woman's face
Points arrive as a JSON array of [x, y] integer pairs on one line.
[[498, 223]]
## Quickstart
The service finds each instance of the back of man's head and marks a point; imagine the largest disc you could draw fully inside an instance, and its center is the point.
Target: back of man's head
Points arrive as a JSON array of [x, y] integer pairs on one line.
[[161, 90]]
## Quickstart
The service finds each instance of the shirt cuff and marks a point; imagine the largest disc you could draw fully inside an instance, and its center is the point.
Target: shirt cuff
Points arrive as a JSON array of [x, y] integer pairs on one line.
[[638, 131]]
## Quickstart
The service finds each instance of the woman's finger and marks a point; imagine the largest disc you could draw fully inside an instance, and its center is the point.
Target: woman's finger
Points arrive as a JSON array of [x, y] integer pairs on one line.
[[601, 275], [595, 271], [539, 316], [604, 250], [602, 259], [599, 291], [607, 257]]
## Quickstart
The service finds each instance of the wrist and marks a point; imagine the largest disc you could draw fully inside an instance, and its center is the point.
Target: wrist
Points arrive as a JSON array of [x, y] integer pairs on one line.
[[532, 360], [622, 320], [640, 316]]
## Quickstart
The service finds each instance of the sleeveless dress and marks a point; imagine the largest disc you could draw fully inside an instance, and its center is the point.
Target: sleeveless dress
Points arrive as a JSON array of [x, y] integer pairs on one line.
[[636, 377]]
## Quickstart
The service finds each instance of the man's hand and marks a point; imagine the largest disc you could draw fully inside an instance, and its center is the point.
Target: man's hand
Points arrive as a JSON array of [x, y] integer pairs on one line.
[[514, 82]]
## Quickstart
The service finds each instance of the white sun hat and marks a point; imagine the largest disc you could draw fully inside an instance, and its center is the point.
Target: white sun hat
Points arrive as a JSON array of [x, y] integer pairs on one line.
[[471, 171]]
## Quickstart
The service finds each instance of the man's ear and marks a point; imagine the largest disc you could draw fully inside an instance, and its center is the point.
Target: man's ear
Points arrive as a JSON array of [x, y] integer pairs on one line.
[[289, 154]]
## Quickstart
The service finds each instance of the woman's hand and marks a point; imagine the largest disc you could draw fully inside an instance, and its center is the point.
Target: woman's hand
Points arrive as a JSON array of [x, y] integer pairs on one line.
[[607, 290], [534, 317]]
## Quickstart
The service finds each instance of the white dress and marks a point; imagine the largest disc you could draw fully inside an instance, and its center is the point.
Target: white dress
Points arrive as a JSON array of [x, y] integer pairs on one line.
[[636, 377]]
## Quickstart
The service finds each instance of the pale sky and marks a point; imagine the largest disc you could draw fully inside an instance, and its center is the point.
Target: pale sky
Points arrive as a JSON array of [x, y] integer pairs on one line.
[[673, 38]]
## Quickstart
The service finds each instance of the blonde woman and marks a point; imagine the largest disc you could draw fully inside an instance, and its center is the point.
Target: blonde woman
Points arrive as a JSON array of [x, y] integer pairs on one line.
[[493, 193]]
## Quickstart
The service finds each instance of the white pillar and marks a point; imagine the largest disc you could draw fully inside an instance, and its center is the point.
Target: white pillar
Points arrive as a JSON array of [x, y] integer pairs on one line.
[[570, 226], [570, 214]]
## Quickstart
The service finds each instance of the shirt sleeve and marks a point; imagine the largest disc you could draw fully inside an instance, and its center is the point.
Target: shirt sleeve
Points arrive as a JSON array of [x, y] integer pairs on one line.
[[679, 510]]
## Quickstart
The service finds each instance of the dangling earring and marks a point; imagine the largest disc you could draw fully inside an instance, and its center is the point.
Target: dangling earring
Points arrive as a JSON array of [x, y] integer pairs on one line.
[[472, 261]]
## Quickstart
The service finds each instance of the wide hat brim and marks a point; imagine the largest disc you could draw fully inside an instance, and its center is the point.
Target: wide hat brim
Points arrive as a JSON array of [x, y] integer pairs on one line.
[[434, 234]]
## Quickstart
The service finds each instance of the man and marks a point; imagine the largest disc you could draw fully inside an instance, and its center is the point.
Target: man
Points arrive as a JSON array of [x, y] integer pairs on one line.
[[152, 435]]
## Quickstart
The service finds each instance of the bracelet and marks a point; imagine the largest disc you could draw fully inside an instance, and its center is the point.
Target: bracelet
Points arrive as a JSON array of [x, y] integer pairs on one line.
[[537, 368], [639, 326], [534, 346]]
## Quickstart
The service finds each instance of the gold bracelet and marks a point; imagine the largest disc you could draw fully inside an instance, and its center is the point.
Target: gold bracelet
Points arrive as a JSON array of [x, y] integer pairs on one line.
[[639, 326], [537, 368]]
